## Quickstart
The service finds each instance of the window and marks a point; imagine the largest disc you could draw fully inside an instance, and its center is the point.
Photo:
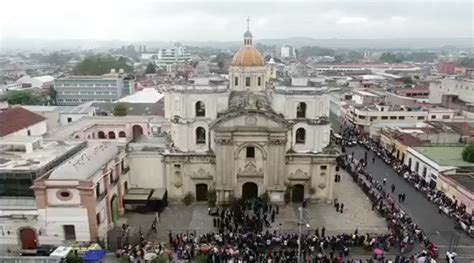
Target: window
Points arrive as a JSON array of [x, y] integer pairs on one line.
[[28, 132], [433, 116], [247, 81], [424, 172], [300, 136], [421, 118], [393, 117], [301, 110], [384, 117], [445, 117], [417, 166], [69, 119], [401, 117], [111, 176], [69, 232], [250, 152], [259, 81], [236, 81], [323, 167], [200, 109], [122, 134], [200, 135], [97, 190], [361, 117], [177, 166]]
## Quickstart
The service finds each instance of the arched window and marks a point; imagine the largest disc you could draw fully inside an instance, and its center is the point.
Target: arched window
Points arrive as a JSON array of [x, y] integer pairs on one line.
[[101, 135], [200, 109], [301, 110], [200, 135], [122, 134], [300, 136], [111, 135]]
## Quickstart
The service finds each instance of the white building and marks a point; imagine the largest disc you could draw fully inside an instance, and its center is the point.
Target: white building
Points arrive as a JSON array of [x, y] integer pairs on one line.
[[287, 52], [81, 199], [461, 87], [25, 159], [57, 116], [248, 138], [21, 122]]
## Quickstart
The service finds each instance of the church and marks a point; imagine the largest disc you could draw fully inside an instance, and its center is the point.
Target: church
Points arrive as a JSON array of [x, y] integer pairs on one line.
[[250, 136]]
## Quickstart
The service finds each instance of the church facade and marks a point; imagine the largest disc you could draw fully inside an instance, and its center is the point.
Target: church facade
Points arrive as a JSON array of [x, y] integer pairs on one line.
[[248, 137]]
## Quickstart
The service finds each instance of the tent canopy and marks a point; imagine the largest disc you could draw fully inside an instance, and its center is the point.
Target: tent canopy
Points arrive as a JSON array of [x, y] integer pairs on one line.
[[94, 255]]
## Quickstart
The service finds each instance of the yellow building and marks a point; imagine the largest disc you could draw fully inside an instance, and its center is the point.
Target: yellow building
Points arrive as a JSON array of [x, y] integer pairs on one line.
[[459, 187]]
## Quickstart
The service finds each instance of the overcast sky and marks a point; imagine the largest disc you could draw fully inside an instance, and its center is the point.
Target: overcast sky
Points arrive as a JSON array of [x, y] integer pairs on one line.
[[146, 20]]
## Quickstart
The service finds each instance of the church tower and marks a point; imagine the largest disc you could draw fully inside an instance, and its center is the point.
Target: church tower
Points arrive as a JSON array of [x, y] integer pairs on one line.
[[248, 71]]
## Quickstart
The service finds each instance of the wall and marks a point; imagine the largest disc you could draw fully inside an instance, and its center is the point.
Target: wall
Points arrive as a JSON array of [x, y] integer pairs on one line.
[[38, 129], [146, 170], [52, 220], [455, 191], [316, 105]]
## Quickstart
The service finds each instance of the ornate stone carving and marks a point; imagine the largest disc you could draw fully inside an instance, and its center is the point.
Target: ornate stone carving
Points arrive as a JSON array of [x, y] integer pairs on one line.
[[274, 141], [250, 169], [223, 141], [299, 174], [201, 174], [251, 120]]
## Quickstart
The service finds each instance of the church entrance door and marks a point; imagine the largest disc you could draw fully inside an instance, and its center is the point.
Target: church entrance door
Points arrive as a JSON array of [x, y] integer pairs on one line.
[[297, 194], [249, 190], [201, 192]]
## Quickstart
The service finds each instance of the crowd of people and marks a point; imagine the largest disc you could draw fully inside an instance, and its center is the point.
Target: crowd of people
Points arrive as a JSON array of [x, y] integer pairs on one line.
[[449, 206]]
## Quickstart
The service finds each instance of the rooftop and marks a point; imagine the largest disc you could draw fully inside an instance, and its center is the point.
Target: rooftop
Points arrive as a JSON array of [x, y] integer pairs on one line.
[[86, 163], [466, 180], [80, 109], [37, 159], [147, 95], [16, 119], [445, 155]]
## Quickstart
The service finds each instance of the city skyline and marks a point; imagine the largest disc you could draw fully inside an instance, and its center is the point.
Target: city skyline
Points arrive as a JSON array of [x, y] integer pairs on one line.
[[224, 20]]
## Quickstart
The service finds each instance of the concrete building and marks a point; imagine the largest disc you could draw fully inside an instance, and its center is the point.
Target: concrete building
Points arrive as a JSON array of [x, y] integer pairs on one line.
[[287, 52], [76, 90], [367, 97], [362, 117], [463, 88], [430, 162], [24, 159], [41, 82], [81, 199], [460, 187], [167, 57], [58, 116], [248, 138], [21, 122]]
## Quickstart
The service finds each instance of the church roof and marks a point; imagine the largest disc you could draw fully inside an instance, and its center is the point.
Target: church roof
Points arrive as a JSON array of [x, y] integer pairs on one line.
[[248, 56]]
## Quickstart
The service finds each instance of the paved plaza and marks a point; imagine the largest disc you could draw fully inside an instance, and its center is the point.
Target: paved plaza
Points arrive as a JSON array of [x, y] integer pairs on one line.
[[179, 218]]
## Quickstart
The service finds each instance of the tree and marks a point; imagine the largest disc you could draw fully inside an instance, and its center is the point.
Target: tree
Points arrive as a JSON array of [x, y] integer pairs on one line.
[[468, 153], [23, 98], [150, 68], [52, 95], [120, 109], [390, 58], [100, 64]]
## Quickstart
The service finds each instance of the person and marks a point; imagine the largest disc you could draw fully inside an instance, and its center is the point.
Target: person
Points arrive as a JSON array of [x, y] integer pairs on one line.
[[342, 208], [373, 160], [323, 231], [384, 181], [393, 188], [337, 207]]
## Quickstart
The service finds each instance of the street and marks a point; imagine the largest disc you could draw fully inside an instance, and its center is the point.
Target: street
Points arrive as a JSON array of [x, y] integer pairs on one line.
[[439, 227]]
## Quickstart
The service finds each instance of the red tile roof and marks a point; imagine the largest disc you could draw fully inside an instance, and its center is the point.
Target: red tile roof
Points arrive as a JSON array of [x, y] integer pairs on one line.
[[409, 140], [15, 119]]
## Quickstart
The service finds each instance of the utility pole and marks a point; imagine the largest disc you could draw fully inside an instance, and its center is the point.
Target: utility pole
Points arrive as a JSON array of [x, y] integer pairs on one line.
[[300, 223]]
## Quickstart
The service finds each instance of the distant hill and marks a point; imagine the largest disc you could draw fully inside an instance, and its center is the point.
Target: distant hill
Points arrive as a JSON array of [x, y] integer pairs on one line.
[[15, 44]]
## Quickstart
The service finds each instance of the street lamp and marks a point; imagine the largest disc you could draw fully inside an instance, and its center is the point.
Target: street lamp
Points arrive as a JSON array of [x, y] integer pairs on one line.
[[300, 223]]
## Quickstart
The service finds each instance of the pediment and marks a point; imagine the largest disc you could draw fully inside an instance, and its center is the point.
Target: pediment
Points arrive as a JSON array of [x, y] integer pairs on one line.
[[249, 119]]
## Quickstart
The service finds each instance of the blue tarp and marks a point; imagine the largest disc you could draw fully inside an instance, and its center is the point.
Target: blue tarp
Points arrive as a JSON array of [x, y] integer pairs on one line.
[[94, 255]]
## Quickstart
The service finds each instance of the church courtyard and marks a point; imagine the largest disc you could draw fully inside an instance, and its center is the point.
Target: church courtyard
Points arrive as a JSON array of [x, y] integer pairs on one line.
[[179, 218]]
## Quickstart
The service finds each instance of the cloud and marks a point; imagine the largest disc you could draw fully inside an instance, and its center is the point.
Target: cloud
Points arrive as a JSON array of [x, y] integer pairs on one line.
[[352, 20], [144, 20]]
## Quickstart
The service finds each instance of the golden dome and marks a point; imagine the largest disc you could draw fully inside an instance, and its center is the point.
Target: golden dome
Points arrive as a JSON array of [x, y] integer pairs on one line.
[[248, 56]]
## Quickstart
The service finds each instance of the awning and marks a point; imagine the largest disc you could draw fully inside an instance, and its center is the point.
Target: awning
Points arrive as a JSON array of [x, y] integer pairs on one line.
[[94, 255]]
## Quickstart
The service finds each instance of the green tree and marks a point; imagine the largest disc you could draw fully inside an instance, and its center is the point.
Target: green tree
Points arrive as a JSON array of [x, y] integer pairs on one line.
[[52, 95], [120, 109], [100, 64], [390, 58], [23, 97], [150, 68], [468, 153]]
